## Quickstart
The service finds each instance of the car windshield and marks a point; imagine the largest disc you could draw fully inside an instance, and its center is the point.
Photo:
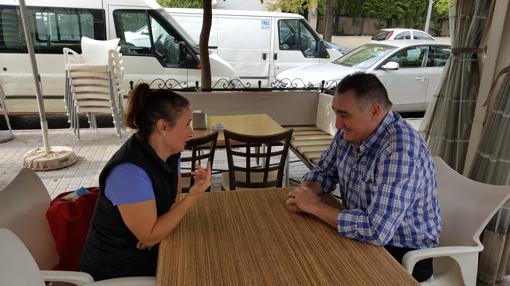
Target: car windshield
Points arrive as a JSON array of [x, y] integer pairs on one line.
[[365, 56], [178, 28], [381, 35]]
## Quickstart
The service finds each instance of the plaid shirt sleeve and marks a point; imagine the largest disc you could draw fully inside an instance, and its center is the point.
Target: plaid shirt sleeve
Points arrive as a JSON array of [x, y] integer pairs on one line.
[[325, 173], [394, 191]]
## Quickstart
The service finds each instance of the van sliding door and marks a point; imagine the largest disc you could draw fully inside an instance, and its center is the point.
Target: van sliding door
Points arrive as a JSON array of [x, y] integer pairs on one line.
[[251, 56]]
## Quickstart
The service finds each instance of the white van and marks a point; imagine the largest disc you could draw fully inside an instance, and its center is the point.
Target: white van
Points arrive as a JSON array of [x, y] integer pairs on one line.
[[167, 53], [258, 44]]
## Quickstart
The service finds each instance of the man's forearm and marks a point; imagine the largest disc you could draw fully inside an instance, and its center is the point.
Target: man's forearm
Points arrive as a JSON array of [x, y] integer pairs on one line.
[[327, 213], [316, 187]]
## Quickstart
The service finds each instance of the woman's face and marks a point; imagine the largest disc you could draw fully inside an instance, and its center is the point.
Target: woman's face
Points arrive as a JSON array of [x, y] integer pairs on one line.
[[180, 133]]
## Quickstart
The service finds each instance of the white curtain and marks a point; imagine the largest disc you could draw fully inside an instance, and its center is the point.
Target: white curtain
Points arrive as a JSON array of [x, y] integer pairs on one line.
[[491, 165], [449, 118]]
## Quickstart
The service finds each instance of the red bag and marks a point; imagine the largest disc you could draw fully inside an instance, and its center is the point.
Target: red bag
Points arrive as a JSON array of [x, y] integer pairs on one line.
[[69, 222]]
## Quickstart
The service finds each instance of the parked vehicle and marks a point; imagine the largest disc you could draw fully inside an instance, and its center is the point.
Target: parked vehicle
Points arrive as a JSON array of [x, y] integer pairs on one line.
[[259, 45], [401, 34], [165, 51], [410, 70]]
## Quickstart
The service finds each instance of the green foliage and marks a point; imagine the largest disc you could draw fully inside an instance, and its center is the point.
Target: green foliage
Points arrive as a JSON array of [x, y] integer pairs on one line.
[[180, 3]]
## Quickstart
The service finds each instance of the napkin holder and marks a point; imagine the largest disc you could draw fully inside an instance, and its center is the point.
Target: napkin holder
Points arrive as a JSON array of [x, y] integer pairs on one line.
[[199, 120]]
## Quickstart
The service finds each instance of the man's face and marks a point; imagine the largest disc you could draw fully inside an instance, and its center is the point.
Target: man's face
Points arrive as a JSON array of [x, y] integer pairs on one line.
[[357, 122]]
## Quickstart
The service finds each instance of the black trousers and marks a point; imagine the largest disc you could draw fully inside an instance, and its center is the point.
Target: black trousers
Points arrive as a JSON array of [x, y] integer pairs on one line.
[[422, 270]]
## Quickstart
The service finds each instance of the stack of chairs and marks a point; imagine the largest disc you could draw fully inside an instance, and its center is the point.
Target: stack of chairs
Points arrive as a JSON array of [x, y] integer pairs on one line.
[[93, 83], [3, 109]]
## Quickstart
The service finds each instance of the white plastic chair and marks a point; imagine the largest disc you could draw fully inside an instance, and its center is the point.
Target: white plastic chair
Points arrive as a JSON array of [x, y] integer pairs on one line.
[[3, 109], [18, 268], [93, 82], [23, 205], [466, 208]]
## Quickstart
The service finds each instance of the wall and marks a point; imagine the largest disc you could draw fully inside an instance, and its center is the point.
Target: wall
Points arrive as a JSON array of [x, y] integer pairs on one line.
[[286, 108]]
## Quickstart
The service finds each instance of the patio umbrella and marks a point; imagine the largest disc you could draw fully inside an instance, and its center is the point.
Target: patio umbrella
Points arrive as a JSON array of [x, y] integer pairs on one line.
[[46, 158]]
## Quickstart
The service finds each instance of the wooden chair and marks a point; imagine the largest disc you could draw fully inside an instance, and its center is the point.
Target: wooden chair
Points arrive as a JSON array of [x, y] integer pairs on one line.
[[201, 148], [270, 174]]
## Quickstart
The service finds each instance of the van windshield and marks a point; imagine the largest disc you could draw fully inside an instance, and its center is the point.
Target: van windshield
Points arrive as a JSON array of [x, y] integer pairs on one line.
[[178, 28]]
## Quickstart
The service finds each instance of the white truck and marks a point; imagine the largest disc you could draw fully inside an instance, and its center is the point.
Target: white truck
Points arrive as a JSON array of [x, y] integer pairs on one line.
[[258, 44], [167, 52]]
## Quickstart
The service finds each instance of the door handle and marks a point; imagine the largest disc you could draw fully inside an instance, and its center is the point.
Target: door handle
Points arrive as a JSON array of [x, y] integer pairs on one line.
[[264, 56], [420, 78], [275, 56]]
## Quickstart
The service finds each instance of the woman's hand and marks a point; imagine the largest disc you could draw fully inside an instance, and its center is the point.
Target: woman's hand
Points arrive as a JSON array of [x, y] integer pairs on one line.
[[202, 178], [142, 246]]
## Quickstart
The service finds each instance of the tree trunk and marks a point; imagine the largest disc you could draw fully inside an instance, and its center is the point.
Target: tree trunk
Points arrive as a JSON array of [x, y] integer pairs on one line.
[[204, 45], [312, 14], [329, 19]]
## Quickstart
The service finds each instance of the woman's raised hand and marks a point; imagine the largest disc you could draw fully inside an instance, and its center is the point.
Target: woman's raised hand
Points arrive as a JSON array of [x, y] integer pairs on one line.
[[202, 178]]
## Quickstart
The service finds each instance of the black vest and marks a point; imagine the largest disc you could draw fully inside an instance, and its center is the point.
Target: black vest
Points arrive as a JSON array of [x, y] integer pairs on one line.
[[110, 249]]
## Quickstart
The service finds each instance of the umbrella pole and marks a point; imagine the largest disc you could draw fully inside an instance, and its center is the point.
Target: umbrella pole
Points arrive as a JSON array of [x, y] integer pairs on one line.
[[37, 77], [47, 158]]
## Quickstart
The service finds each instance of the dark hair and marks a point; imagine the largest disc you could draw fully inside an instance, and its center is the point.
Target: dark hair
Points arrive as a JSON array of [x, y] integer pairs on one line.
[[146, 106], [367, 88]]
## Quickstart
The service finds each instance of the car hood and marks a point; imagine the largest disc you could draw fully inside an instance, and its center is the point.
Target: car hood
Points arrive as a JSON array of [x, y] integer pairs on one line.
[[315, 74]]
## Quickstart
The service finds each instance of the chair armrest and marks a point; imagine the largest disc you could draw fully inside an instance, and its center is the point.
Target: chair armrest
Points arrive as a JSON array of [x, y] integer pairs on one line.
[[75, 277], [72, 57], [412, 257], [126, 281]]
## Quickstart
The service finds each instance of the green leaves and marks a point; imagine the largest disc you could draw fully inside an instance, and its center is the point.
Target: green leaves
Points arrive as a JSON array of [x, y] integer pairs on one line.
[[181, 3]]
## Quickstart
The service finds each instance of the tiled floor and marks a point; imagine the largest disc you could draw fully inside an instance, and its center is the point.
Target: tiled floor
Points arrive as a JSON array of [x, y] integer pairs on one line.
[[94, 150]]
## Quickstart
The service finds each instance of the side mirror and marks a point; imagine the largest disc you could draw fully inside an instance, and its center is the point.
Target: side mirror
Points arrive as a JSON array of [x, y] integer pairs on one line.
[[391, 66], [322, 50]]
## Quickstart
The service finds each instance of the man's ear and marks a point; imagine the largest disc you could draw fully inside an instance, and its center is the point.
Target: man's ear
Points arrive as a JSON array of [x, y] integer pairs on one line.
[[375, 111]]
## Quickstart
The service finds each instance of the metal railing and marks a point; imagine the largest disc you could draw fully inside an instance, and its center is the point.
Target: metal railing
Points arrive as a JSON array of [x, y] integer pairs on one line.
[[225, 84]]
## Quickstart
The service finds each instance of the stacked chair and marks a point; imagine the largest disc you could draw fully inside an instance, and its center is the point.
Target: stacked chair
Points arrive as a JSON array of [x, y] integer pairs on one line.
[[3, 109], [93, 83]]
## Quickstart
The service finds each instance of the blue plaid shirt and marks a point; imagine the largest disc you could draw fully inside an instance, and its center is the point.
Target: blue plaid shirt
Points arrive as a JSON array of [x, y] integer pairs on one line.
[[387, 184]]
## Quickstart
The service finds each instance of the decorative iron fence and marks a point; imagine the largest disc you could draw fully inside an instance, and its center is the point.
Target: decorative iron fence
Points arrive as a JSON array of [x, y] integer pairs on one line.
[[225, 84]]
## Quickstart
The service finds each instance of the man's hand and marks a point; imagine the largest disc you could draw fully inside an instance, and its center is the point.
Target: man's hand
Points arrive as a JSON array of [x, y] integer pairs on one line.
[[302, 199]]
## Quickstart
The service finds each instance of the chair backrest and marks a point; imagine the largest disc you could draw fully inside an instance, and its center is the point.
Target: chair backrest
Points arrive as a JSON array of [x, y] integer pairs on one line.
[[466, 206], [97, 51], [326, 117], [276, 148], [201, 148], [17, 267], [23, 205]]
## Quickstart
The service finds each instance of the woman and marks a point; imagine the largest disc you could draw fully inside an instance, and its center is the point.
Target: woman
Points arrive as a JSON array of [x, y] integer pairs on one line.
[[137, 206]]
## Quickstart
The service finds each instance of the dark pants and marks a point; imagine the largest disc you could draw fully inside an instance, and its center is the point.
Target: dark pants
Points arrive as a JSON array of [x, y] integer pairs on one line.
[[422, 270]]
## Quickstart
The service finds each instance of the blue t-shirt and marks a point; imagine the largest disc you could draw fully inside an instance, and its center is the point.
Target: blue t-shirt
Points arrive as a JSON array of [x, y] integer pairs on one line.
[[127, 183]]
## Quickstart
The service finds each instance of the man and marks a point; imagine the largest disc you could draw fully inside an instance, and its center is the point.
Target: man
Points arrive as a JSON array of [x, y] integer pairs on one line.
[[385, 173]]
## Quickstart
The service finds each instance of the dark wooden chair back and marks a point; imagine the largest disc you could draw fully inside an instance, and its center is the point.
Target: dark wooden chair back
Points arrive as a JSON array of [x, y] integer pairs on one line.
[[201, 148], [276, 148]]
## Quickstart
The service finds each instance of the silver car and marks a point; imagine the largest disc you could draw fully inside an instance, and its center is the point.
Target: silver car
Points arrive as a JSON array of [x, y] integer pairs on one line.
[[410, 70]]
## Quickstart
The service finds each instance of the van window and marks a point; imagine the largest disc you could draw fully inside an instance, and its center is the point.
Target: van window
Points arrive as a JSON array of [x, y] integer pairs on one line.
[[54, 29], [293, 34], [438, 55], [143, 34]]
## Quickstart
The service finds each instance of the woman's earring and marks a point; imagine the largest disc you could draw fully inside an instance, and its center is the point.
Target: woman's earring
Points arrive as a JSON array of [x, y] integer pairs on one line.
[[164, 134]]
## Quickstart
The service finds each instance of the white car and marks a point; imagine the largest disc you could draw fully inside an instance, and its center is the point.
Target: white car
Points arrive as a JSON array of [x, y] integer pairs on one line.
[[400, 34], [410, 70]]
